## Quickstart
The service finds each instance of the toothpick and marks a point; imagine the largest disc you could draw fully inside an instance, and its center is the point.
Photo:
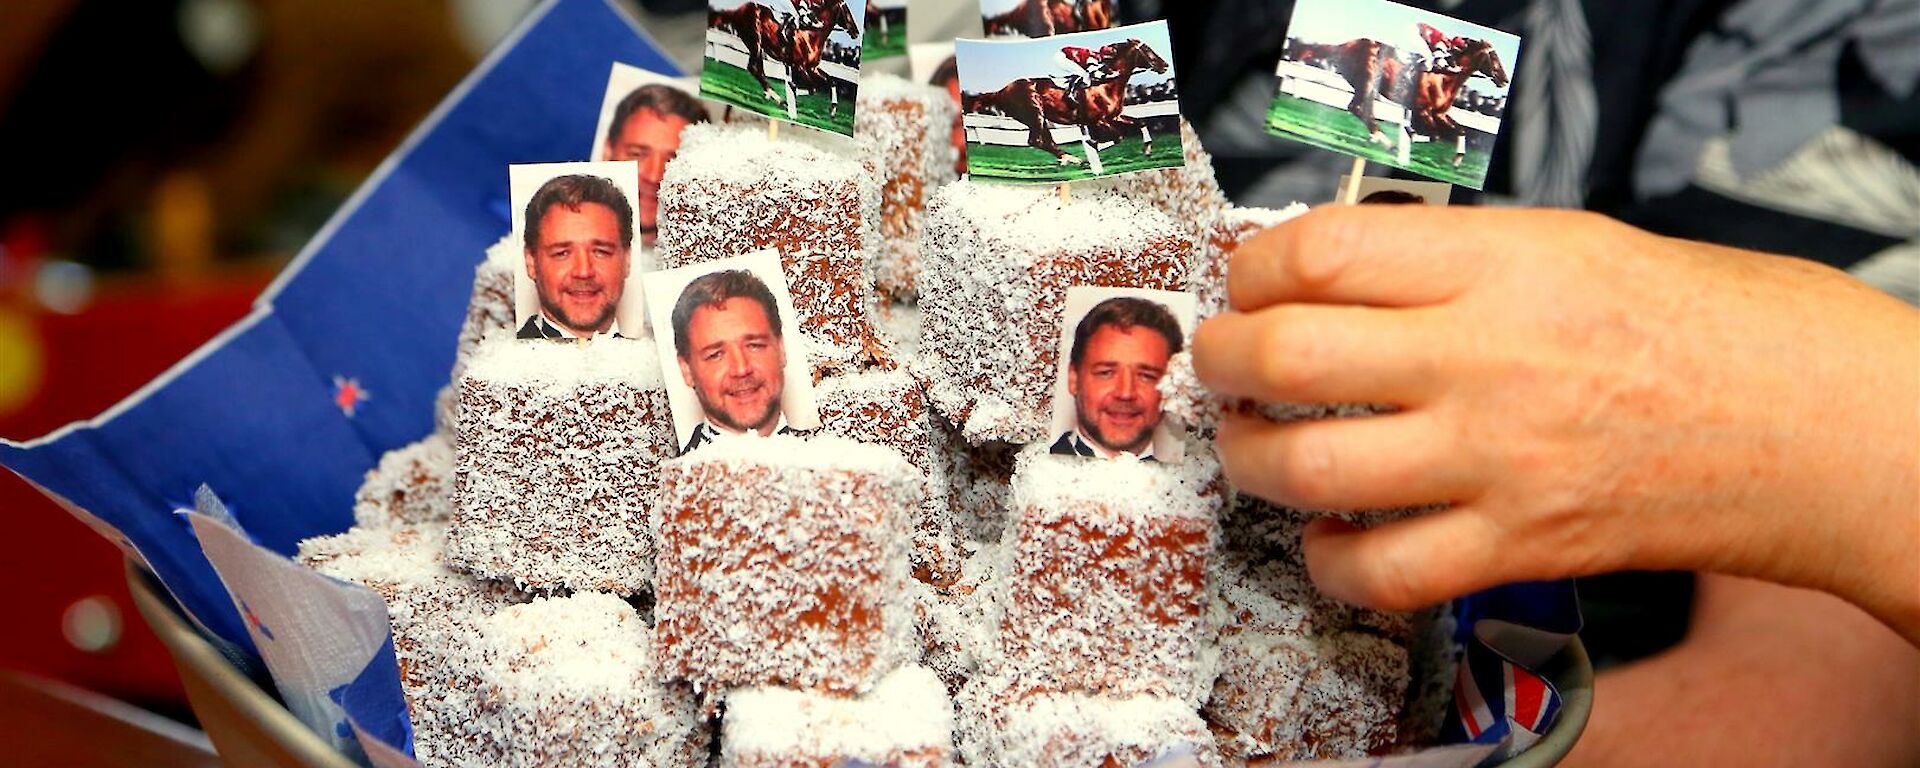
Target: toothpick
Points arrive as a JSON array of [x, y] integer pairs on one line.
[[1351, 194], [1066, 192], [773, 130]]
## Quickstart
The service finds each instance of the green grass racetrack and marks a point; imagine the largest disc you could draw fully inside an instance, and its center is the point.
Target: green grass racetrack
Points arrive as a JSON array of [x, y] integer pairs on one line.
[[736, 86], [1338, 130], [1029, 164]]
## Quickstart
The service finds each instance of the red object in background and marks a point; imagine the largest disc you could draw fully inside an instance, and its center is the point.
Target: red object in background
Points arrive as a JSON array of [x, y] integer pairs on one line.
[[129, 334]]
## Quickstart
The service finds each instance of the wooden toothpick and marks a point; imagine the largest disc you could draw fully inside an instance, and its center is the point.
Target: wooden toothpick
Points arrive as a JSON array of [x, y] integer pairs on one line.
[[1351, 194], [1066, 192], [773, 130]]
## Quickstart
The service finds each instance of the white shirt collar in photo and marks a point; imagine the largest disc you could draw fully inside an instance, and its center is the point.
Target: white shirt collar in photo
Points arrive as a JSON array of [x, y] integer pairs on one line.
[[719, 432], [567, 333], [1108, 453]]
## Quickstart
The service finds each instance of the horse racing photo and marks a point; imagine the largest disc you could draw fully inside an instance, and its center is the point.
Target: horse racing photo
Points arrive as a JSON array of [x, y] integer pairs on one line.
[[1070, 107], [1394, 85], [1044, 18], [792, 60]]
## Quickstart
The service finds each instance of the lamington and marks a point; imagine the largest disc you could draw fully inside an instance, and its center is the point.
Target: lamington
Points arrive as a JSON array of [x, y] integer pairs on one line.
[[573, 681], [885, 406], [905, 721], [996, 266], [432, 611], [731, 191], [903, 132], [413, 484], [1102, 585], [784, 561], [556, 462], [1000, 726], [1214, 250]]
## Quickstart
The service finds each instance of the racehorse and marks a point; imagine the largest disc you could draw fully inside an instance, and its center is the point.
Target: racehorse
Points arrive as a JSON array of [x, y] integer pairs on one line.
[[1374, 69], [1037, 101], [798, 41], [1045, 18]]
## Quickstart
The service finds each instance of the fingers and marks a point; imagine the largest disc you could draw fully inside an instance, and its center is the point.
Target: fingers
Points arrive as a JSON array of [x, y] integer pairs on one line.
[[1408, 564], [1393, 460], [1320, 354], [1384, 256]]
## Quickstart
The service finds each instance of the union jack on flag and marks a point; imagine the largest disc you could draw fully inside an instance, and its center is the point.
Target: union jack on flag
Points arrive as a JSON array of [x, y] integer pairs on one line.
[[1495, 698]]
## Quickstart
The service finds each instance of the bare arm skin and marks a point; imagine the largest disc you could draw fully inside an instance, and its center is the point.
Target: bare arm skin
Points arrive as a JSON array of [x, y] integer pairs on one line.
[[1768, 676], [1589, 397]]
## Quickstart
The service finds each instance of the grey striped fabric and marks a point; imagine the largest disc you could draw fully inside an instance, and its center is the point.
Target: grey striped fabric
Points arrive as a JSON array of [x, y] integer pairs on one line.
[[1558, 113]]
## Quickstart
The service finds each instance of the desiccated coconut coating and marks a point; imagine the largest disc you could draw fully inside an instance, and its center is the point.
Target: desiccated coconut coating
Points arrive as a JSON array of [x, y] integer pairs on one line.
[[431, 610], [1309, 696], [905, 721], [573, 681], [784, 561], [1214, 250], [1102, 583], [902, 129], [556, 461], [999, 726], [978, 477], [490, 307], [410, 485], [952, 621], [996, 266], [886, 407], [730, 191], [1190, 194]]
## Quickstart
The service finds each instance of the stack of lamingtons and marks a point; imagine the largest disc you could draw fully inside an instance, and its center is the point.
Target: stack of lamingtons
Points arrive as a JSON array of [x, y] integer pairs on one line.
[[906, 585]]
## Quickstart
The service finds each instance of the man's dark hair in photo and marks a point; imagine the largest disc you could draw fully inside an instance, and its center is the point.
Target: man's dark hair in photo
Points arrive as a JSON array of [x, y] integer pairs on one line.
[[1392, 197], [664, 99], [711, 290], [574, 191], [1125, 313]]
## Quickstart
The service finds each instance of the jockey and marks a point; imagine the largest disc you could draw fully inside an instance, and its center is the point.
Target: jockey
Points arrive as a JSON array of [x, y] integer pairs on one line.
[[1082, 67], [1442, 46]]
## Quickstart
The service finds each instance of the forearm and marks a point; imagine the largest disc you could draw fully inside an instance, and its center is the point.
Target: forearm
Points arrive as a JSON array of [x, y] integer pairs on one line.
[[1769, 675]]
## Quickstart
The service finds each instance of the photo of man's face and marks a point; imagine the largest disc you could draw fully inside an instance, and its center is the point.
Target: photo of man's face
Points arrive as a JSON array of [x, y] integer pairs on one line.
[[578, 242], [733, 356], [1116, 386], [645, 128], [1115, 348]]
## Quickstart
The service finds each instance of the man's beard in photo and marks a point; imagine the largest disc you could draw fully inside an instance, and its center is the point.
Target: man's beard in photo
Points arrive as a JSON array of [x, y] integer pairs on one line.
[[1092, 427], [605, 316], [720, 417]]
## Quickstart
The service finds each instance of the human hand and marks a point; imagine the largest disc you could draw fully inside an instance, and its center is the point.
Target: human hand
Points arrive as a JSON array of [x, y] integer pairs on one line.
[[1587, 396]]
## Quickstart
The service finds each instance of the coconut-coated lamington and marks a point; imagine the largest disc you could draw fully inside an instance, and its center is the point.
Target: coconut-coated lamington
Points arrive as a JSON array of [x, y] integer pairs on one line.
[[1103, 586], [906, 721], [784, 561], [904, 133], [731, 191], [572, 681], [556, 461], [996, 266]]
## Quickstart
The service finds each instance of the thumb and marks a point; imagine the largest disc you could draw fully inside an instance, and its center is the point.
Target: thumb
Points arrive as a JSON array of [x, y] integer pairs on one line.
[[1407, 564]]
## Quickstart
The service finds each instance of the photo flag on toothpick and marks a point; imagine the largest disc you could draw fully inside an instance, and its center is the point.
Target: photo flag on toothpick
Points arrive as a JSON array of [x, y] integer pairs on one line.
[[1044, 18], [1399, 86], [791, 60], [1070, 107]]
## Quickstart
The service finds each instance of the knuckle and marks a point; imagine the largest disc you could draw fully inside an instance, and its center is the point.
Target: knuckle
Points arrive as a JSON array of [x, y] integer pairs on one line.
[[1319, 250], [1390, 579]]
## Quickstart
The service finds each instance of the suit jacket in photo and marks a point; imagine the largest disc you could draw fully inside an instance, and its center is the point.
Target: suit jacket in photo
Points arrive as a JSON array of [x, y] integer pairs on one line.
[[704, 433]]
